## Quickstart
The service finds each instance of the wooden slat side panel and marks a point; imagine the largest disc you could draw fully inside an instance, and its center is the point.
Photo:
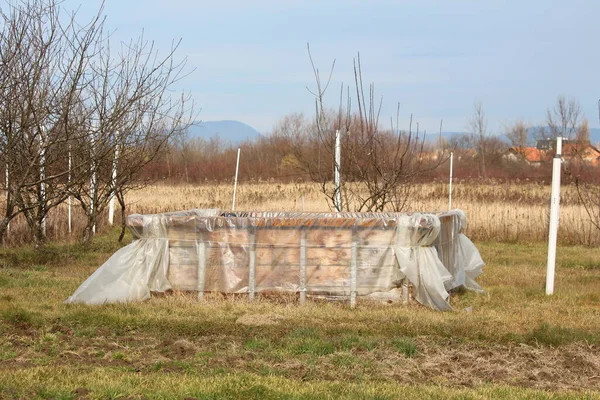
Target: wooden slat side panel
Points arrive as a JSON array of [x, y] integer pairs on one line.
[[328, 260]]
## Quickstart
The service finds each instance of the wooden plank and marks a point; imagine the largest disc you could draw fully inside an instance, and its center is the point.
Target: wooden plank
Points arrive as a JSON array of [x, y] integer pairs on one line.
[[277, 276], [278, 237], [375, 257], [183, 277], [227, 235], [317, 275], [183, 255], [328, 256], [182, 228], [278, 255], [236, 255], [329, 238], [376, 237]]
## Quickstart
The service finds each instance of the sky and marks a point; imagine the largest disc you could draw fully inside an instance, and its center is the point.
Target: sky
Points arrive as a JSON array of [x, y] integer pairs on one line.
[[248, 60]]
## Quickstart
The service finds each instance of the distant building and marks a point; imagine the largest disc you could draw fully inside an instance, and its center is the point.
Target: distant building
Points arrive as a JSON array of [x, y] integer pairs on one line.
[[545, 150]]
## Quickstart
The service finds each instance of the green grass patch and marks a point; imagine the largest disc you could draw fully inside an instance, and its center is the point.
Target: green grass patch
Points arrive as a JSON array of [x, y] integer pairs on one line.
[[554, 335], [20, 317], [405, 346]]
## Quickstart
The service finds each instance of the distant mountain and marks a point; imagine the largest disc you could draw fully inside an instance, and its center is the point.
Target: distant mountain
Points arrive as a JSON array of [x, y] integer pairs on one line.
[[434, 137], [229, 131]]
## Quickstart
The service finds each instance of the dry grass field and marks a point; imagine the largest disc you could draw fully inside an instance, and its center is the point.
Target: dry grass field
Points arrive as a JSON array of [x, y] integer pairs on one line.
[[512, 342], [506, 212]]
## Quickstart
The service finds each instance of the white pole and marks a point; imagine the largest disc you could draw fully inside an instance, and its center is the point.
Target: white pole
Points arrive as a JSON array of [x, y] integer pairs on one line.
[[93, 178], [42, 182], [7, 191], [336, 172], [237, 168], [111, 205], [93, 193], [69, 188], [450, 188], [554, 209]]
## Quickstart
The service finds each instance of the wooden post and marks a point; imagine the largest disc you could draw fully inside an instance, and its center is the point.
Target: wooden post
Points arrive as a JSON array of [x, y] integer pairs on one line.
[[353, 270], [252, 266], [201, 250], [303, 266], [237, 168]]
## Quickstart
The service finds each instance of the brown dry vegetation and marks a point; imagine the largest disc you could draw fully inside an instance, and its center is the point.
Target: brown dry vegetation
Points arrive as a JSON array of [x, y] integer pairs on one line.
[[506, 212], [499, 211]]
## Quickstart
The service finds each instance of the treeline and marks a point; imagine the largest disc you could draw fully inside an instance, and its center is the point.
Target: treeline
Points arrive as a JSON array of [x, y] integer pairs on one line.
[[292, 152]]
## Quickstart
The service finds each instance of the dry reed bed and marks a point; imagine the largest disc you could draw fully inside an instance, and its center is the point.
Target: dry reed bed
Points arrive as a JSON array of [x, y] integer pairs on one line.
[[499, 212], [506, 212]]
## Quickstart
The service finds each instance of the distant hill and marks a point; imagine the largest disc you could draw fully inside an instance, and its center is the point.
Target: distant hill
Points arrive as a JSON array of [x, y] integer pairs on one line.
[[229, 131]]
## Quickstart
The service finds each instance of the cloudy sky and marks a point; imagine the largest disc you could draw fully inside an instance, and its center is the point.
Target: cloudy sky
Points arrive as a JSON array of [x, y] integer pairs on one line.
[[436, 58]]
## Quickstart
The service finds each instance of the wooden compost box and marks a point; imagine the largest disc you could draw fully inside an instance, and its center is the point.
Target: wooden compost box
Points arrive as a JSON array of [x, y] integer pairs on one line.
[[341, 254]]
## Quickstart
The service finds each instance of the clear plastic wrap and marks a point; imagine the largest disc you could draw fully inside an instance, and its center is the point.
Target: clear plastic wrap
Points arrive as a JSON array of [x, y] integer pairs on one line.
[[329, 254]]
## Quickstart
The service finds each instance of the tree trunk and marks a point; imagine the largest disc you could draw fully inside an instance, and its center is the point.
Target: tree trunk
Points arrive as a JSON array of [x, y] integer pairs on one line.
[[482, 161], [121, 200], [4, 228], [88, 232]]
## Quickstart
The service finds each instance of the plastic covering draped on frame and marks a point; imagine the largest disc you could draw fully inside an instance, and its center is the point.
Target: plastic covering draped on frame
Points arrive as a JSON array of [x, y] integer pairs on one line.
[[329, 254]]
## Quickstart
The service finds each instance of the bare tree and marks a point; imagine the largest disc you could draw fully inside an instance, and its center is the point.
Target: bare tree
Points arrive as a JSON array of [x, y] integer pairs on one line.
[[64, 90], [518, 134], [127, 110], [379, 167], [43, 59], [564, 119], [583, 132], [478, 130], [588, 191]]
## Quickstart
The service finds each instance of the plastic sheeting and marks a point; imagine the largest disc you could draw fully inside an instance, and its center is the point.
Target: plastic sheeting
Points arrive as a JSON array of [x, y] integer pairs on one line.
[[468, 257], [332, 254]]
